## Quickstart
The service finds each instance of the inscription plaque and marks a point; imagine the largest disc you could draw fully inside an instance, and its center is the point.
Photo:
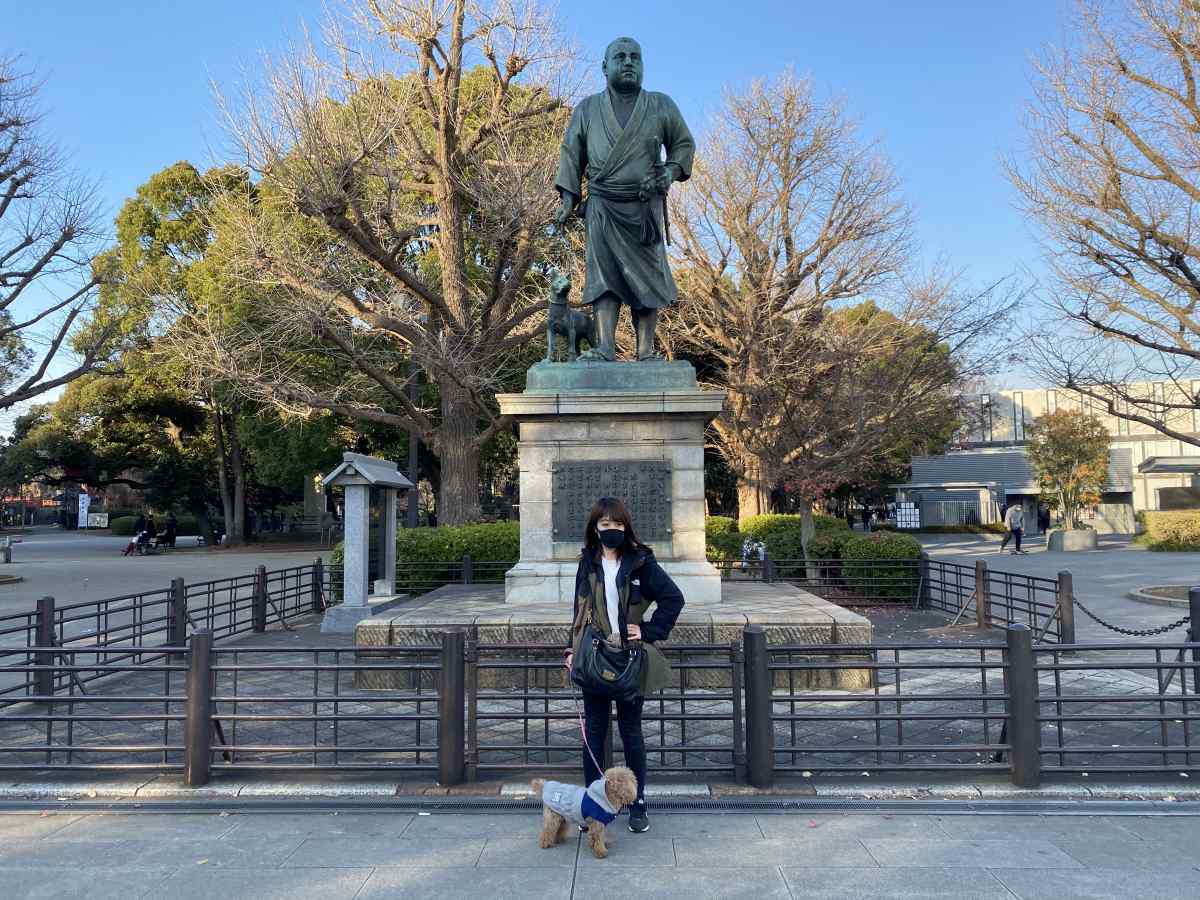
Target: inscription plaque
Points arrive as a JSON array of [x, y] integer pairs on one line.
[[643, 484]]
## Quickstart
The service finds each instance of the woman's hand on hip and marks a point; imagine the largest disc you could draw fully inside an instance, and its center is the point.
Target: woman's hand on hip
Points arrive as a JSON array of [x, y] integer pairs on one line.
[[633, 632]]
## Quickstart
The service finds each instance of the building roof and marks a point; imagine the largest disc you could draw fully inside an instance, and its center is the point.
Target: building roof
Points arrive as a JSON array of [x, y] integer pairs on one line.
[[1008, 468], [355, 468], [1170, 465]]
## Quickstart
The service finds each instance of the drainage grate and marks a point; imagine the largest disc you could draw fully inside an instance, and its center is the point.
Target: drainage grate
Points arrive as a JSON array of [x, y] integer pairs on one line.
[[767, 805]]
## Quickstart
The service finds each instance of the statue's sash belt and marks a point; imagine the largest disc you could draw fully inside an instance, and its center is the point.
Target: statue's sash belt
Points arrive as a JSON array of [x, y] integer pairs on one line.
[[649, 233]]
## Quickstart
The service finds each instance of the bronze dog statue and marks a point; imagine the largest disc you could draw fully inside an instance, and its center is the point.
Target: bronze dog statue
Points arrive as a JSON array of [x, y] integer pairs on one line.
[[573, 324]]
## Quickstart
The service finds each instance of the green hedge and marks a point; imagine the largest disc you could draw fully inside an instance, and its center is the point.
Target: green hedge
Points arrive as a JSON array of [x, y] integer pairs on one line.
[[722, 540], [427, 547], [897, 580], [781, 533], [1177, 530], [122, 525]]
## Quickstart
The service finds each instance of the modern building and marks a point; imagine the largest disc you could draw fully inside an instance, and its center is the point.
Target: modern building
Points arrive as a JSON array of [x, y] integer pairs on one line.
[[1146, 471]]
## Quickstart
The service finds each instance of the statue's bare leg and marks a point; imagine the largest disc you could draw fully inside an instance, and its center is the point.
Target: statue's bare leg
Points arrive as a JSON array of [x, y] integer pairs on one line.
[[606, 311], [645, 321]]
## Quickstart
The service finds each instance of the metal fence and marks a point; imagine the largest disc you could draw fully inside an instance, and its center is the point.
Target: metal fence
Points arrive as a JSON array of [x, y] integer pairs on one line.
[[887, 717], [136, 724], [1155, 698], [136, 628], [745, 711], [332, 719], [995, 598], [522, 713]]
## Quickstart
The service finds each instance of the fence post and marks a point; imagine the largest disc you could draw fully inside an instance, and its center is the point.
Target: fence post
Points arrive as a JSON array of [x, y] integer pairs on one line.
[[737, 669], [923, 581], [451, 708], [318, 585], [468, 569], [1194, 634], [982, 610], [43, 677], [1023, 732], [768, 571], [177, 614], [260, 599], [760, 731], [197, 760], [1066, 608]]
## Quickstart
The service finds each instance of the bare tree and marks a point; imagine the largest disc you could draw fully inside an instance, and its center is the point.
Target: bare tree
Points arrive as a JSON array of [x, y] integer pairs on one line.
[[786, 221], [1113, 144], [400, 225], [48, 238]]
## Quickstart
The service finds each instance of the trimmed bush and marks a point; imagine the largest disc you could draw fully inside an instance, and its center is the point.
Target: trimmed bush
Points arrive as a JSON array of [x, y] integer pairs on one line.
[[426, 548], [893, 574], [781, 534], [722, 540], [1177, 530], [122, 526]]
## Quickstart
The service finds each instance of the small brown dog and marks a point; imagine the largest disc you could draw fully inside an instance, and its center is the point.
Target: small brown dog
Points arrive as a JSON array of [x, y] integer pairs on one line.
[[594, 806]]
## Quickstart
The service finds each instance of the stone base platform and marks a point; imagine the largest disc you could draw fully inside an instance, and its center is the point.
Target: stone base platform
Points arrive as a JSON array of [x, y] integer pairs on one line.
[[344, 618], [789, 615]]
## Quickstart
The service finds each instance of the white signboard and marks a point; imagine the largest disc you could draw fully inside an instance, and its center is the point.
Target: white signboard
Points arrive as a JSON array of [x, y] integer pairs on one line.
[[85, 503], [97, 520], [908, 515]]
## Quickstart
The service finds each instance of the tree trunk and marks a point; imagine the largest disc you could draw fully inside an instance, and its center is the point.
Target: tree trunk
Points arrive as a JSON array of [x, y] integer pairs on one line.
[[754, 492], [222, 475], [458, 453], [237, 529]]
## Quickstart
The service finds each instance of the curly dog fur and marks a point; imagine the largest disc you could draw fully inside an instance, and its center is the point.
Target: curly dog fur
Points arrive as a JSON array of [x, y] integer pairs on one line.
[[621, 787]]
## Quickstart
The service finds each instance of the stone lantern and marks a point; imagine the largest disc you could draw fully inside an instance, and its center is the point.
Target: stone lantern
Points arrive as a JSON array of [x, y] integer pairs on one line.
[[357, 474]]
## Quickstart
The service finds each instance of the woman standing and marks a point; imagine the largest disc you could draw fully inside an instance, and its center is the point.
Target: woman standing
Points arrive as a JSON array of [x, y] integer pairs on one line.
[[617, 582]]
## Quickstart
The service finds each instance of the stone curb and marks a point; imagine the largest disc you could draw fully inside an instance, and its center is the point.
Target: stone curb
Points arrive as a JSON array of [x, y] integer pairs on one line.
[[156, 790], [1142, 597]]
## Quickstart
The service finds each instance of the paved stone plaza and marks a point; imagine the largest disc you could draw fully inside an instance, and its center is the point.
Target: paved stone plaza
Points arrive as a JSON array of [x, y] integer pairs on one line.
[[369, 855]]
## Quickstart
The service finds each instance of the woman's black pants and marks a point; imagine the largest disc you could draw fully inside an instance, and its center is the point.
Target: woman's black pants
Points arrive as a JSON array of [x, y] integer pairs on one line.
[[629, 723]]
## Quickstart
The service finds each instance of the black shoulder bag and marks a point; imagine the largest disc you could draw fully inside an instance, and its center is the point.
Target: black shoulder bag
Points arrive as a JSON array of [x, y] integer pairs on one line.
[[610, 672]]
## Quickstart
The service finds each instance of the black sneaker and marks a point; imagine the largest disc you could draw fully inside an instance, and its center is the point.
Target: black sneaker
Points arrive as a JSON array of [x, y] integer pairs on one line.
[[638, 820]]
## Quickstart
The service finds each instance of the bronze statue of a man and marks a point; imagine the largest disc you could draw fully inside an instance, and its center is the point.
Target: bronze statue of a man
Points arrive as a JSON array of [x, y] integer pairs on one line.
[[615, 140]]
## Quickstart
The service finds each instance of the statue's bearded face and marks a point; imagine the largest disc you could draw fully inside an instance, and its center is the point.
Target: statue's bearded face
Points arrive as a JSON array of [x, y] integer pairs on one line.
[[623, 65]]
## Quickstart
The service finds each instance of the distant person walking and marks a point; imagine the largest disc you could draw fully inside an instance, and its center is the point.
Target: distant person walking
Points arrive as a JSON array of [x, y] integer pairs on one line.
[[1014, 522]]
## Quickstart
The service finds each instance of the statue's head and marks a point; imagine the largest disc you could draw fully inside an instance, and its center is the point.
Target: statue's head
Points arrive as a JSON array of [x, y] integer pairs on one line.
[[623, 64], [561, 286]]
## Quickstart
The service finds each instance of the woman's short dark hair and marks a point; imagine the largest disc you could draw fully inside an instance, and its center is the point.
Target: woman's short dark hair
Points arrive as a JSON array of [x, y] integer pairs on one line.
[[611, 508]]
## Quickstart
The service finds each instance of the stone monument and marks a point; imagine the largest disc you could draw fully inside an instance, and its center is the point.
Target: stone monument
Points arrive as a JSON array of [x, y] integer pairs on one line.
[[598, 427], [357, 474], [593, 426]]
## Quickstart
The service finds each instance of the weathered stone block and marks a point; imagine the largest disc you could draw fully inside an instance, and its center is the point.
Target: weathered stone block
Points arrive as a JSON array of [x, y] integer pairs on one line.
[[669, 430], [559, 430], [605, 430]]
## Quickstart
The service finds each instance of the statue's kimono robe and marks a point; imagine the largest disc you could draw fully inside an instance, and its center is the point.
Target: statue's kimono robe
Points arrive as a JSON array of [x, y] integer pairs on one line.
[[626, 255]]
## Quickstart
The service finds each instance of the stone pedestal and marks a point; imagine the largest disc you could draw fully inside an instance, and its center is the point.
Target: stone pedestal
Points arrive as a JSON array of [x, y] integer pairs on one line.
[[588, 412]]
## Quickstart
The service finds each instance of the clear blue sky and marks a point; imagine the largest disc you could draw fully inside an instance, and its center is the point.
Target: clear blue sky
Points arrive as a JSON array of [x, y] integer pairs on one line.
[[940, 83]]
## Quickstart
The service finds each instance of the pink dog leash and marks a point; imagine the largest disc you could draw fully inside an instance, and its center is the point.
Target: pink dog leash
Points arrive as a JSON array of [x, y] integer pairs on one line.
[[583, 731]]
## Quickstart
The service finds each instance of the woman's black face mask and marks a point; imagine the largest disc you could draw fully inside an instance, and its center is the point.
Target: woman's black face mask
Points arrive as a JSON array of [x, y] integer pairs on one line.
[[612, 538]]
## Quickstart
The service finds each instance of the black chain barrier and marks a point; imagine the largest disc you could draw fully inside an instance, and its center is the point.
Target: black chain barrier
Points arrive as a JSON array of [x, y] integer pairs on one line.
[[1132, 632]]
